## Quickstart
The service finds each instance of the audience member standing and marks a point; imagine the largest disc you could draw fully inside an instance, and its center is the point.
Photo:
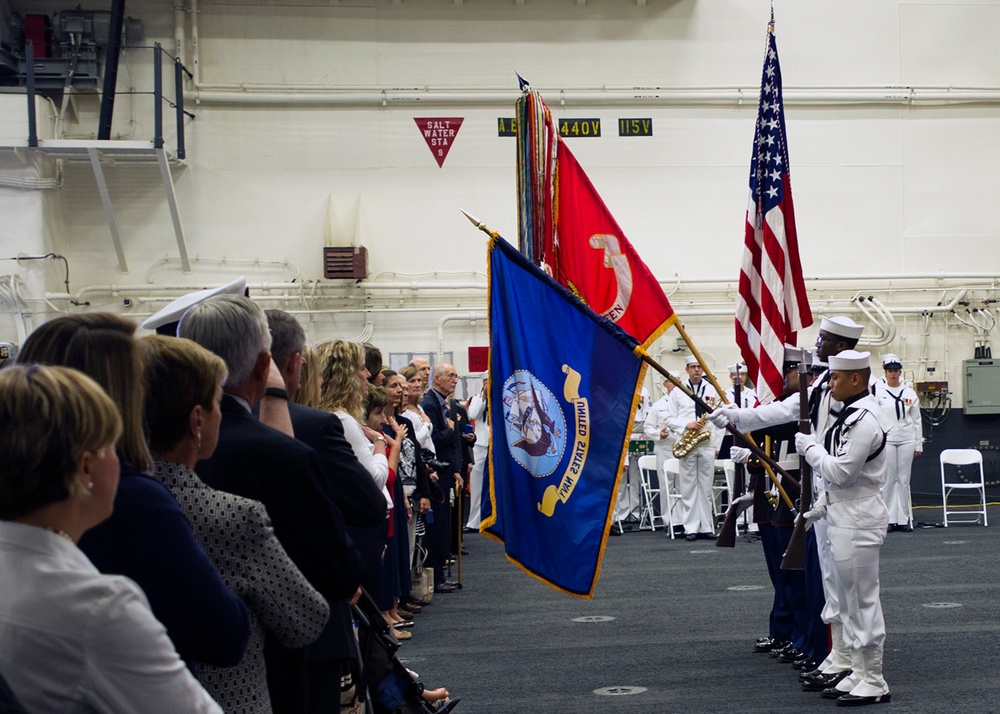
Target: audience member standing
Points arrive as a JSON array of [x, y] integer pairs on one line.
[[147, 538], [184, 382], [72, 639], [449, 451], [257, 462]]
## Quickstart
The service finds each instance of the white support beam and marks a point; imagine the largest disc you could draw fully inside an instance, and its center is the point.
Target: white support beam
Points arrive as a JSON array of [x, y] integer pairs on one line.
[[109, 212], [168, 188]]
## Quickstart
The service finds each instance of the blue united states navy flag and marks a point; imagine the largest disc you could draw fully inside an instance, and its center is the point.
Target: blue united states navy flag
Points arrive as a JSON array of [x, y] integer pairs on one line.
[[563, 391]]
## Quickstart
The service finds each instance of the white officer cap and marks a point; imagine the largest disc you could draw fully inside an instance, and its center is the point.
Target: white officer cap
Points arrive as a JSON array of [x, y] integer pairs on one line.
[[794, 354], [842, 327], [849, 360], [690, 360], [175, 310], [741, 365], [891, 360]]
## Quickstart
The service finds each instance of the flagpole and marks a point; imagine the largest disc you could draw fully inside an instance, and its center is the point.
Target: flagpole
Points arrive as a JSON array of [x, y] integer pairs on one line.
[[697, 355], [743, 438], [479, 224]]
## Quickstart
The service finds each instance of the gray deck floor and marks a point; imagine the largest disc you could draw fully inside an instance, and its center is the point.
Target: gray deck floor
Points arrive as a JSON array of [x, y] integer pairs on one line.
[[507, 643]]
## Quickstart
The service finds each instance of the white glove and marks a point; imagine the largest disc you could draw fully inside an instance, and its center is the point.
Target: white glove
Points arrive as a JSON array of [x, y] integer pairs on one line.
[[739, 455], [743, 502], [817, 511], [803, 442], [722, 416]]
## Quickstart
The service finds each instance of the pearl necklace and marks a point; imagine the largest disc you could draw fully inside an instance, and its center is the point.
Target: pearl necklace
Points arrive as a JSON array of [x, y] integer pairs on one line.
[[64, 534]]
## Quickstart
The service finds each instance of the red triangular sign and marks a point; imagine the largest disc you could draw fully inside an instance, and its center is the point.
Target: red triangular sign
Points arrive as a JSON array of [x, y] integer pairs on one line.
[[439, 133]]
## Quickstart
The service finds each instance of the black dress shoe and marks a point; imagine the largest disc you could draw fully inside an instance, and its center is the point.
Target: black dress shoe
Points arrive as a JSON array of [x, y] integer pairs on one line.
[[764, 644], [691, 537], [851, 700], [806, 675], [780, 647], [823, 682], [904, 529], [805, 665], [792, 655], [832, 693], [445, 588]]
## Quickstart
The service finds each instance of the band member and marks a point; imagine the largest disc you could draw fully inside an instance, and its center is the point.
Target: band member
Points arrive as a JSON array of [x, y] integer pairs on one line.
[[900, 404], [657, 430], [850, 456], [697, 469]]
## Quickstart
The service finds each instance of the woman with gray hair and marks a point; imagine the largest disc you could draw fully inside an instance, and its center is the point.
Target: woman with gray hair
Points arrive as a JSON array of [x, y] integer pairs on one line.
[[72, 639], [184, 382]]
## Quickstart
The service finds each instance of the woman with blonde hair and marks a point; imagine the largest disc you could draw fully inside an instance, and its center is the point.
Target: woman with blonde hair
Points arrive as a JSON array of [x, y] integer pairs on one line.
[[147, 538], [72, 639], [185, 381], [412, 410], [345, 387], [310, 379]]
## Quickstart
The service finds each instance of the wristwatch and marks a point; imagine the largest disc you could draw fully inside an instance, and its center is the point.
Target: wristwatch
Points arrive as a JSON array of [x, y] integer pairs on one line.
[[382, 439]]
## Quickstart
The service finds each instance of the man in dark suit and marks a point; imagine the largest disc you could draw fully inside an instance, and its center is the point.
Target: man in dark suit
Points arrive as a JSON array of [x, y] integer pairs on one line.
[[346, 480], [447, 441], [258, 462]]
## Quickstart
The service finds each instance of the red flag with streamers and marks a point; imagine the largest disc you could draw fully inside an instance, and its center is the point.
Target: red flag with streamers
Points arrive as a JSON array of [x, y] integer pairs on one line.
[[595, 260], [772, 305]]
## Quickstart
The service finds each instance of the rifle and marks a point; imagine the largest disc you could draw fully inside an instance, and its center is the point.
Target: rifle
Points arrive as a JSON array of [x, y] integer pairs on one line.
[[727, 534], [795, 554], [739, 435]]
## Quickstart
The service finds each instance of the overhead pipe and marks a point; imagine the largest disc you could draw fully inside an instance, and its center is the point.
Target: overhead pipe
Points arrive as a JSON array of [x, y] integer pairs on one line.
[[472, 317]]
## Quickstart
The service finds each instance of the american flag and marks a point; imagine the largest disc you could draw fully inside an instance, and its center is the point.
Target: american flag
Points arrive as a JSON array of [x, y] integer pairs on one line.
[[772, 304]]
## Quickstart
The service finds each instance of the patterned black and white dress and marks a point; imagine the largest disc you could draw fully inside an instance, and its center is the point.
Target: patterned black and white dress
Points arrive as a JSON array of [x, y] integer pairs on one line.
[[236, 534]]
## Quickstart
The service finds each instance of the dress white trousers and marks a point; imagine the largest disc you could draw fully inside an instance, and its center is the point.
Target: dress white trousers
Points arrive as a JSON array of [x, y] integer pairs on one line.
[[896, 493], [481, 455], [856, 557], [697, 473]]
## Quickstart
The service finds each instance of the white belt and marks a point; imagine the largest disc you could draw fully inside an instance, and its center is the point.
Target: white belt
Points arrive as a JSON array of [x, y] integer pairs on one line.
[[851, 494]]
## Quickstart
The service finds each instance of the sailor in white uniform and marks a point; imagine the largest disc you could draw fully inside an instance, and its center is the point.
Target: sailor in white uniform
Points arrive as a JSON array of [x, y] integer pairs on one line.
[[656, 429], [850, 455], [836, 334], [748, 397], [901, 406], [697, 469]]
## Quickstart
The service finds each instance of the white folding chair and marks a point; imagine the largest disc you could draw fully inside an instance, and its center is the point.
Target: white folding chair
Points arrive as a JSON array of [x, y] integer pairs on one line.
[[651, 497], [669, 491], [720, 487], [968, 458]]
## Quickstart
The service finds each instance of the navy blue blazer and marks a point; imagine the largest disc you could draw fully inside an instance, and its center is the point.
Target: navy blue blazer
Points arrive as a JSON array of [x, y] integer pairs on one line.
[[149, 539], [445, 438]]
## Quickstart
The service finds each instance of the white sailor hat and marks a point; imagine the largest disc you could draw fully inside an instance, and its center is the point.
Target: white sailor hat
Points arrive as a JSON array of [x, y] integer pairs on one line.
[[891, 360], [742, 367], [849, 360], [676, 375], [841, 326], [175, 310], [690, 360]]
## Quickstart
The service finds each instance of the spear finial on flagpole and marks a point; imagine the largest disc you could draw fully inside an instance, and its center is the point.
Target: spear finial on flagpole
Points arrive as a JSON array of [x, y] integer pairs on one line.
[[480, 225]]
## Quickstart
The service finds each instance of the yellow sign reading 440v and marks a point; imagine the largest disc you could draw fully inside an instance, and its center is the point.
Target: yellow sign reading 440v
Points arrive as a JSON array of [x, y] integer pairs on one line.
[[580, 127]]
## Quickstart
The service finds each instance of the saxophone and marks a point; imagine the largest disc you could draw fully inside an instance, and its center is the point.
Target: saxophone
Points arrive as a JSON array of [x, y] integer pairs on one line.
[[692, 438]]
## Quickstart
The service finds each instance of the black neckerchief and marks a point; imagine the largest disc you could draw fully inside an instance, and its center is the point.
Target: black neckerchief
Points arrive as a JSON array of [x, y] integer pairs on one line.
[[816, 397], [698, 392], [900, 407], [834, 432]]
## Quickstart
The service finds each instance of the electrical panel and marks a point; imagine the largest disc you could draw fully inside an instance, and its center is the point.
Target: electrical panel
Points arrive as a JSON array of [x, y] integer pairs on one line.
[[982, 386]]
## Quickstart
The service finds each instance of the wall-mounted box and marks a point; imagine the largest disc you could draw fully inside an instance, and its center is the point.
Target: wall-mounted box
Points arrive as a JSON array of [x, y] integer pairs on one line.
[[982, 386]]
